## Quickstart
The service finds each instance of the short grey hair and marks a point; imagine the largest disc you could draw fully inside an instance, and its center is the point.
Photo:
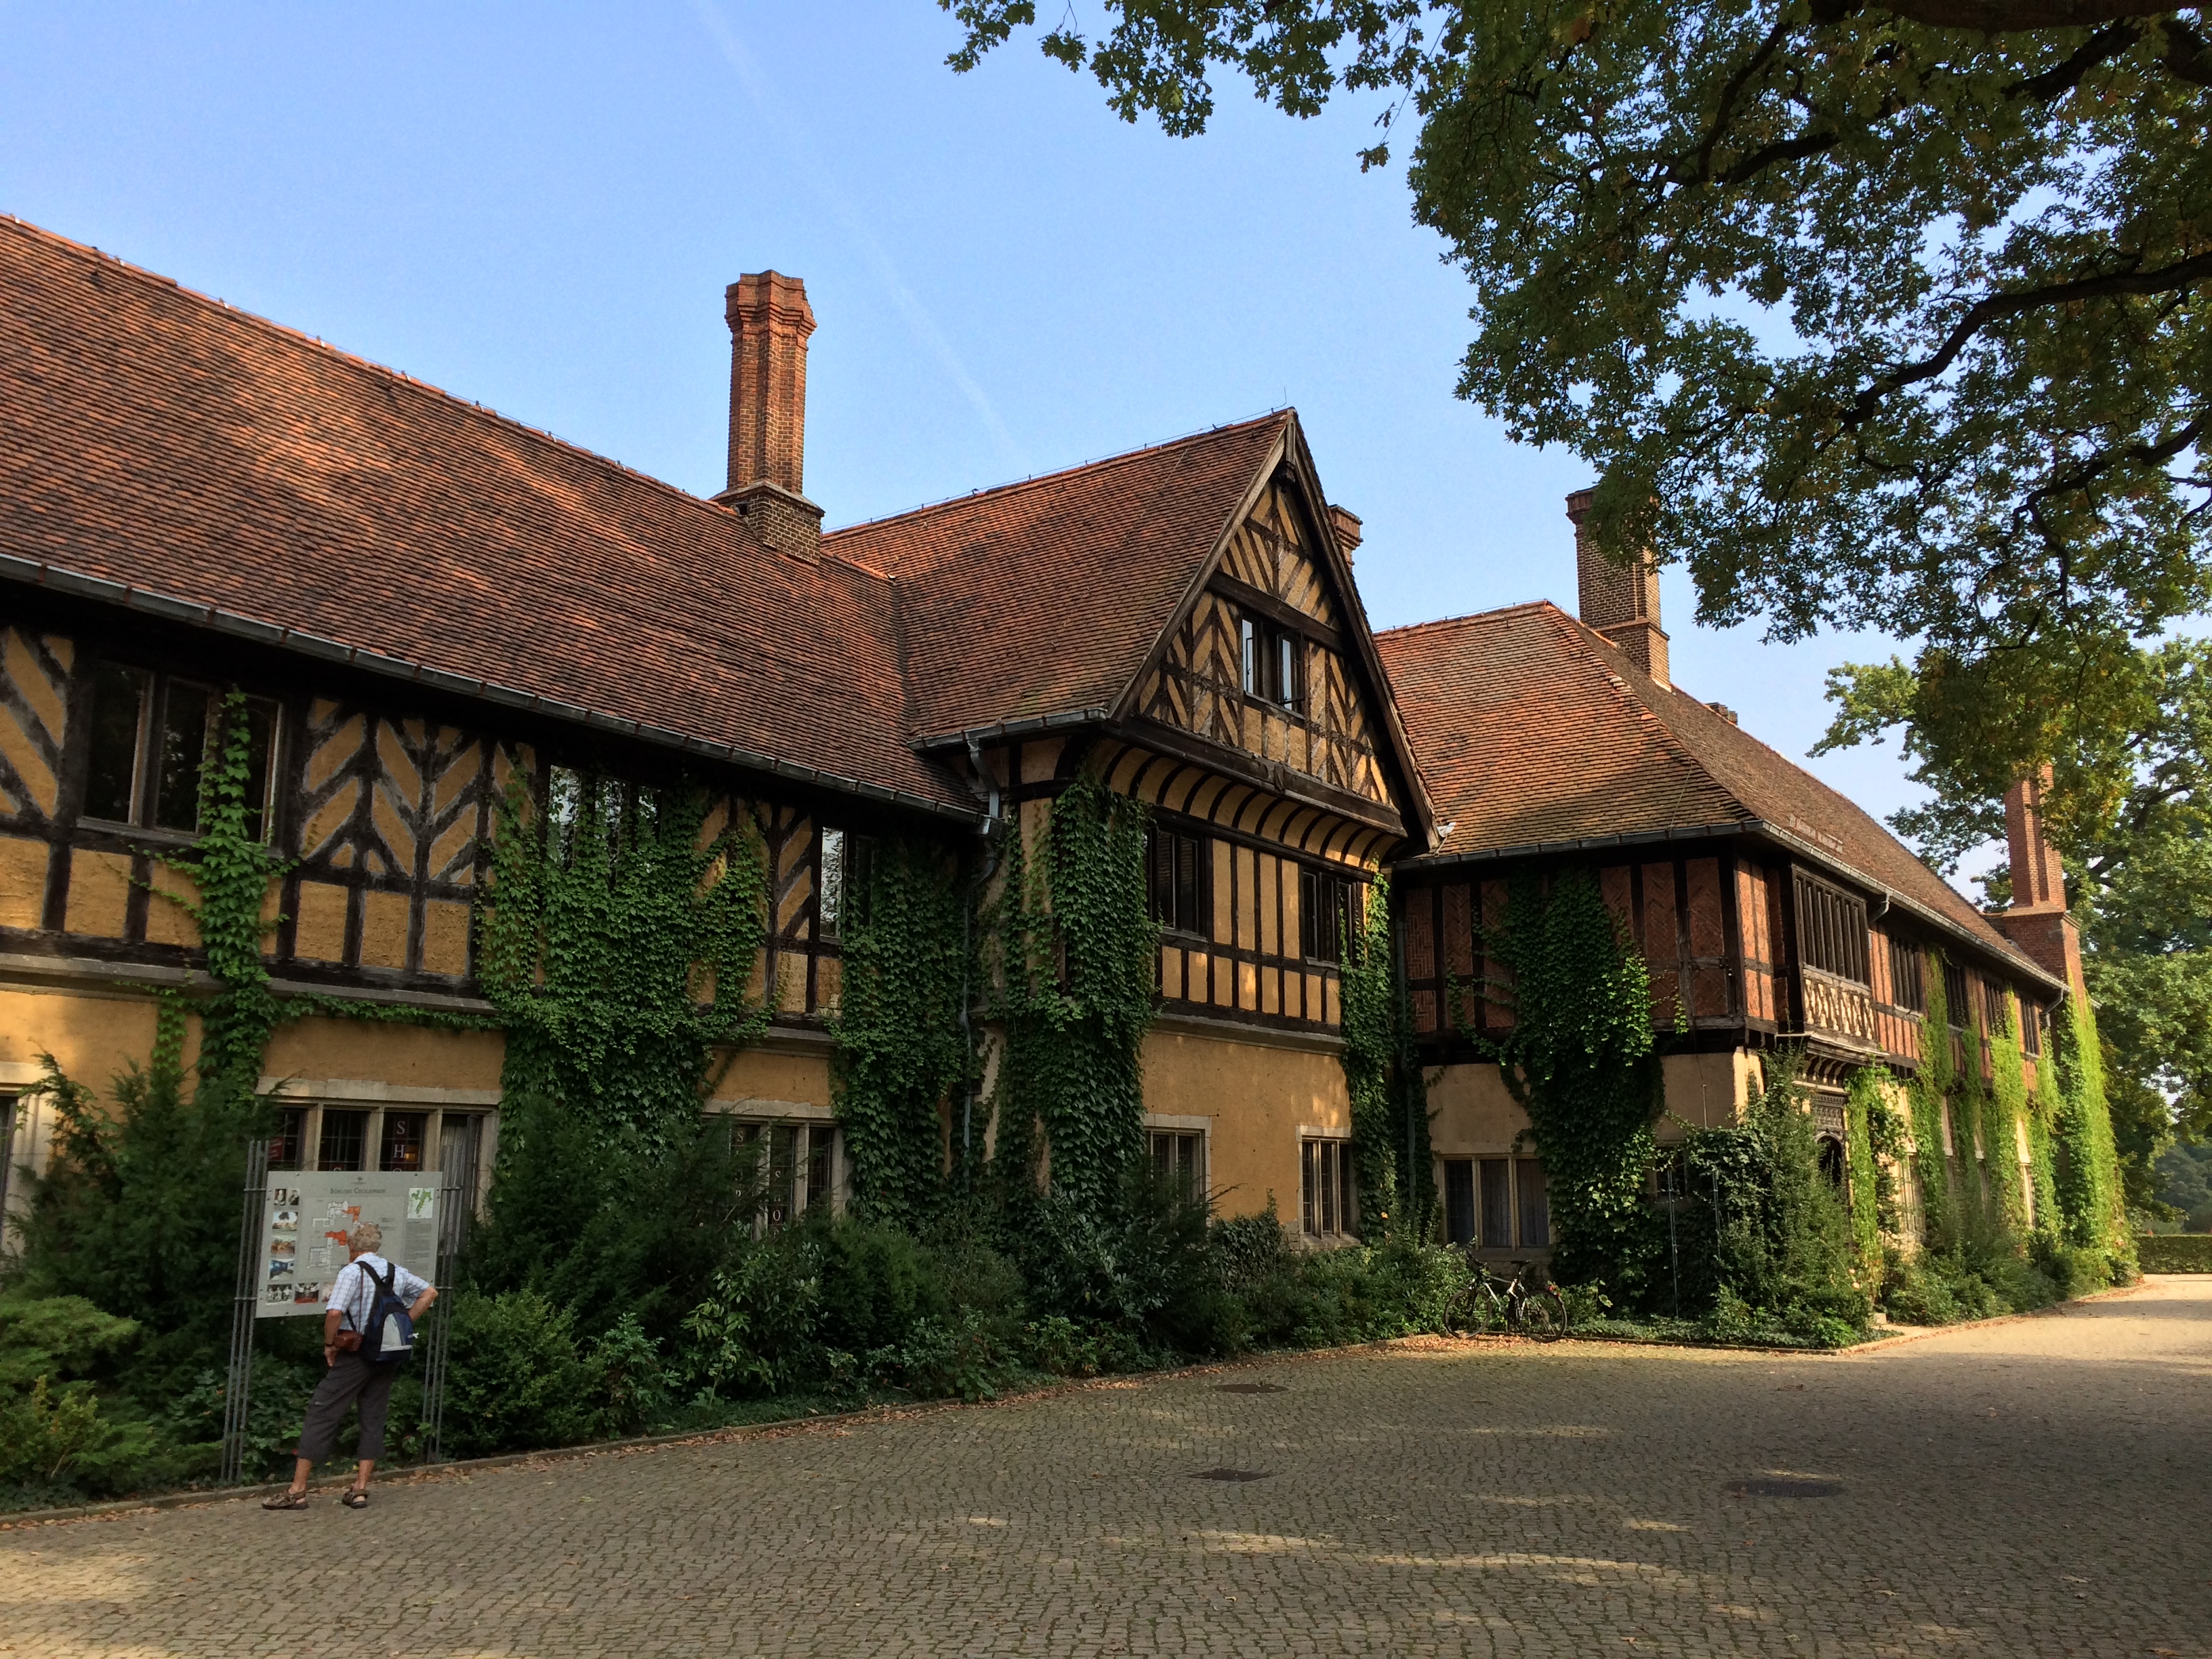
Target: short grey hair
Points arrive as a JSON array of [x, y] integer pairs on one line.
[[365, 1237]]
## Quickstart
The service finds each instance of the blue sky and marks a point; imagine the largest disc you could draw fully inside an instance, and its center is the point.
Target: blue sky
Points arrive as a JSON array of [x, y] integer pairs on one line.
[[539, 207]]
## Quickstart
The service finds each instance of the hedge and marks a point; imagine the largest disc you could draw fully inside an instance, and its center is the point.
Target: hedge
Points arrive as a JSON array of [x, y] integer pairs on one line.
[[2174, 1253]]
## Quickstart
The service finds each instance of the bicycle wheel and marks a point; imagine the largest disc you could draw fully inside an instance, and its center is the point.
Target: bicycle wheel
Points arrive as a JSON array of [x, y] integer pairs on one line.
[[1543, 1315], [1462, 1313]]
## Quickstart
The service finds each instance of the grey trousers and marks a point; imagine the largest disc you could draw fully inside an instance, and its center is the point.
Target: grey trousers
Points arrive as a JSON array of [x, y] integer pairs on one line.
[[351, 1379]]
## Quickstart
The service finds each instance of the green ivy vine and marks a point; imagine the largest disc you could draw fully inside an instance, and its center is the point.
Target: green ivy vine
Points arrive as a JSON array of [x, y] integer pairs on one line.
[[616, 941], [230, 872], [897, 1028], [1581, 1060], [2087, 1177], [1077, 956], [1383, 1075], [1865, 1113]]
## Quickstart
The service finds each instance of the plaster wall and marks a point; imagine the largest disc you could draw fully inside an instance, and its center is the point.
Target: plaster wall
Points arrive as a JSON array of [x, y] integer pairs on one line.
[[1255, 1099]]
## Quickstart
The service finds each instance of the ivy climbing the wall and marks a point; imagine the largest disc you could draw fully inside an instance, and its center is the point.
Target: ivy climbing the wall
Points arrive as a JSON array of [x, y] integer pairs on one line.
[[621, 929], [1077, 964], [1865, 1119], [900, 1050], [2086, 1173], [1581, 1061], [1383, 1076]]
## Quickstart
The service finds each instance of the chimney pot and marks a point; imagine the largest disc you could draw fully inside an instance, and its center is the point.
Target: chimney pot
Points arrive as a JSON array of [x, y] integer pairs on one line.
[[1619, 601], [1345, 523], [769, 322]]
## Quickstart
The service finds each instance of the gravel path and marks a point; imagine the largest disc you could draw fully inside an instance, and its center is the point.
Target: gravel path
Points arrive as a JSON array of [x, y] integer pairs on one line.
[[2038, 1486]]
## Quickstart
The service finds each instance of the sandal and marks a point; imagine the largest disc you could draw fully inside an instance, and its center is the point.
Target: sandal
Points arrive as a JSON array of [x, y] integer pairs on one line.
[[356, 1497], [286, 1500]]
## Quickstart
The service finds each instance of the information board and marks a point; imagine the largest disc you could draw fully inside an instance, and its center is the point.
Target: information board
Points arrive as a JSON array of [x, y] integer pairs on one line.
[[307, 1217]]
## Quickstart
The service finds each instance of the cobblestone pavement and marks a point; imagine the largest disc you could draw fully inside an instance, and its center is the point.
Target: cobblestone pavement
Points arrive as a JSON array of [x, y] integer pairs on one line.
[[2039, 1486]]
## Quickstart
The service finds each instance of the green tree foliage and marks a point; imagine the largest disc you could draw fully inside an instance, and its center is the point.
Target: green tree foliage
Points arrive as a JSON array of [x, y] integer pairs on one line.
[[2133, 824], [1580, 1059], [617, 945], [137, 1209], [1383, 1075], [1873, 315], [1077, 959], [899, 1029], [1783, 1245]]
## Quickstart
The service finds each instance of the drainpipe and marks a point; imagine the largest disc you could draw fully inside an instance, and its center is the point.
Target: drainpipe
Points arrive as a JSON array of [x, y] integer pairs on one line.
[[985, 786]]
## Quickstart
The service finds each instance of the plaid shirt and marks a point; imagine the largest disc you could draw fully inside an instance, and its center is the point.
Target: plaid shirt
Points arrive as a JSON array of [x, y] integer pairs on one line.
[[354, 1291]]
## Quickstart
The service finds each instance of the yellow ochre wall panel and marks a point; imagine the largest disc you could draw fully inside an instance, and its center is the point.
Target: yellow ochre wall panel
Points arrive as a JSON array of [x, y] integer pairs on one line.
[[91, 1037], [445, 937], [1257, 1098], [773, 1074], [315, 1050], [383, 930], [99, 893], [23, 881], [167, 921], [320, 931]]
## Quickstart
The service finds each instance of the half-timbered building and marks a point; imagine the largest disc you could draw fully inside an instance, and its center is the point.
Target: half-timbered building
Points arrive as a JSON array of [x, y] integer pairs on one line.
[[426, 603], [1767, 906]]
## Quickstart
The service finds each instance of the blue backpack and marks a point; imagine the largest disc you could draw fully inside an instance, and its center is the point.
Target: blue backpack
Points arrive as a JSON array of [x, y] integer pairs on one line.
[[390, 1334]]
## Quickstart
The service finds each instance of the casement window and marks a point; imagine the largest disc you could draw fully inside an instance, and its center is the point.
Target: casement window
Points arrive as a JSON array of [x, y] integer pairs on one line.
[[152, 737], [1955, 995], [798, 1169], [847, 864], [1329, 909], [1179, 871], [1179, 1155], [1993, 1006], [1908, 988], [398, 1139], [1274, 663], [1328, 1194], [1832, 929], [1497, 1203], [2031, 1027], [342, 1139]]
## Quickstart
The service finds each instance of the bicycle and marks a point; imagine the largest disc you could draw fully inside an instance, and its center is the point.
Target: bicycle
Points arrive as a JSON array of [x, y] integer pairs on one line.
[[1537, 1309]]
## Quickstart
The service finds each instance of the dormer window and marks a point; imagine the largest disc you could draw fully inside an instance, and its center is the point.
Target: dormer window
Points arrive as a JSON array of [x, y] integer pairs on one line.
[[1273, 660]]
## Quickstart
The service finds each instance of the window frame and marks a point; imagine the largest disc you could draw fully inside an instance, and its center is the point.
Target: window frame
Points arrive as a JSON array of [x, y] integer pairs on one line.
[[1325, 930], [1164, 888], [1270, 663], [1834, 936], [1328, 1187], [145, 790], [1174, 1140], [1908, 975]]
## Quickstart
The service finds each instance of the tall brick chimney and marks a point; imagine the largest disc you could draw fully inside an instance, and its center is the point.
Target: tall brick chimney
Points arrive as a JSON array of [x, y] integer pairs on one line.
[[770, 320], [2038, 921], [1618, 601]]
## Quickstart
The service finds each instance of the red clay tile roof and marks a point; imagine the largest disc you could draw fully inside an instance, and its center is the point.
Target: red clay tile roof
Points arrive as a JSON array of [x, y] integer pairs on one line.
[[1531, 729], [1046, 597], [153, 437]]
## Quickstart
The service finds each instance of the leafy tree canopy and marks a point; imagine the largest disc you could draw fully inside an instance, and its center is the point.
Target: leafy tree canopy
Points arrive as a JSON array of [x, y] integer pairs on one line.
[[2134, 826], [1880, 315]]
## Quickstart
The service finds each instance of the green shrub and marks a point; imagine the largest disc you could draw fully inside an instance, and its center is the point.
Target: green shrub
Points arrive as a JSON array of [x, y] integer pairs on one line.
[[56, 1436], [58, 1337], [876, 1282], [629, 1385], [138, 1209], [756, 1332], [2174, 1253], [514, 1380]]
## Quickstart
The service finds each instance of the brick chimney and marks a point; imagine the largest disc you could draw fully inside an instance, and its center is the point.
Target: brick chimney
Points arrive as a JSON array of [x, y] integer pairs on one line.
[[1345, 523], [1618, 601], [770, 320], [2038, 921]]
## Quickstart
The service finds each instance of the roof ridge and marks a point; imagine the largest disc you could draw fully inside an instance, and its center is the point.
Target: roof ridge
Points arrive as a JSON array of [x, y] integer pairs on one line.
[[1469, 617], [351, 361], [1037, 480]]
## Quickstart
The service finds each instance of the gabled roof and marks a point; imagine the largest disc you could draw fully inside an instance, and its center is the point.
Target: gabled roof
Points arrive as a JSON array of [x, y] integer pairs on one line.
[[1535, 734], [1045, 598], [155, 438]]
